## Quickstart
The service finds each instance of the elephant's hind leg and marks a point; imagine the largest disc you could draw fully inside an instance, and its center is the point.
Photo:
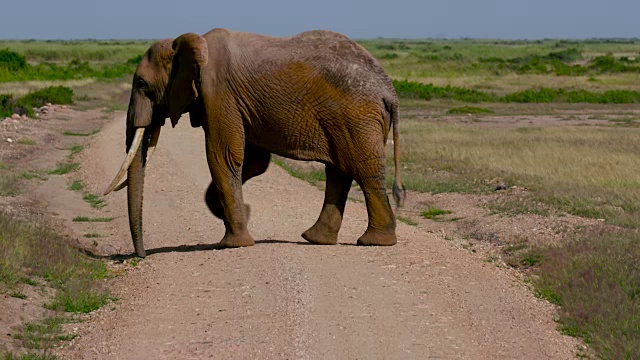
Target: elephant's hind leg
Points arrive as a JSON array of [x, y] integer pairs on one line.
[[325, 230], [381, 230]]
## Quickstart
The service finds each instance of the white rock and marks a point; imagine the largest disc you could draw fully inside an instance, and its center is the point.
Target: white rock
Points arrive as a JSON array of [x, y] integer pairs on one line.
[[9, 140]]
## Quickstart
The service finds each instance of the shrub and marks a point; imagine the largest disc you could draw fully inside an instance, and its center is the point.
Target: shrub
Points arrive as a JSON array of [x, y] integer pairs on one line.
[[53, 94], [12, 60], [543, 95], [547, 95], [417, 90], [568, 55], [469, 110], [6, 105], [609, 64], [135, 60], [388, 56]]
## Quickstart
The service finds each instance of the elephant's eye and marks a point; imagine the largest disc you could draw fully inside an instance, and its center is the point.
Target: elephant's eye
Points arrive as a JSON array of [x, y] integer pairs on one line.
[[142, 84]]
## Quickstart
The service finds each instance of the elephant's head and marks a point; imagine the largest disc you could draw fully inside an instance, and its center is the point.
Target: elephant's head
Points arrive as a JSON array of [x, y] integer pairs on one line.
[[165, 84]]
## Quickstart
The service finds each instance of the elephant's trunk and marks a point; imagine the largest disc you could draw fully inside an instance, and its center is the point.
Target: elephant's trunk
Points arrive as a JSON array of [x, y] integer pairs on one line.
[[141, 141], [135, 188]]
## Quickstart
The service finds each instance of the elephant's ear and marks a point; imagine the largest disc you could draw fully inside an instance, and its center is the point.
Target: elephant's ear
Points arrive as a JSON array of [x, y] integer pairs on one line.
[[191, 55]]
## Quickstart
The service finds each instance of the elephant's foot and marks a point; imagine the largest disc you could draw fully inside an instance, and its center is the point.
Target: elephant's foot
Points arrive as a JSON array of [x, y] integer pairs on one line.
[[239, 240], [319, 234], [375, 238]]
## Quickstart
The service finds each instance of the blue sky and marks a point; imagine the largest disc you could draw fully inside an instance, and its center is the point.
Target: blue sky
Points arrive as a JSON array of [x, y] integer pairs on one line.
[[509, 19]]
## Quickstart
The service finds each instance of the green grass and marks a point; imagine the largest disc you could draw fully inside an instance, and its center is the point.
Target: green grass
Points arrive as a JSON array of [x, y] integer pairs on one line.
[[433, 213], [74, 69], [90, 219], [469, 110], [26, 141], [416, 90], [18, 295], [28, 356], [76, 149], [65, 168], [406, 221], [34, 250], [79, 297], [76, 185], [33, 174], [411, 89], [94, 200], [71, 133], [110, 51]]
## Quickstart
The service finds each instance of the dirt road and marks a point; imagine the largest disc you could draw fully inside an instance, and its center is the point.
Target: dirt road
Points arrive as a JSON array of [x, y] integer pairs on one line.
[[283, 298]]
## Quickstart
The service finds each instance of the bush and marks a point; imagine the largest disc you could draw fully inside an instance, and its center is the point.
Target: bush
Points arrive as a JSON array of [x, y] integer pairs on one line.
[[469, 110], [568, 55], [135, 60], [75, 69], [12, 60], [543, 95], [547, 95], [53, 94], [416, 90], [388, 56], [6, 105], [609, 64]]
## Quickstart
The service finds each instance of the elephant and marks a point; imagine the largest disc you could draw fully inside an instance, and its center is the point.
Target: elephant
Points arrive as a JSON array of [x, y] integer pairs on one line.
[[315, 96]]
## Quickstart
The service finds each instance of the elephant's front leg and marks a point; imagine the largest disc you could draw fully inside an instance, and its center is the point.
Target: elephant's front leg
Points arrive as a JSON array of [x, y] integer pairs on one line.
[[325, 230], [256, 161], [224, 196]]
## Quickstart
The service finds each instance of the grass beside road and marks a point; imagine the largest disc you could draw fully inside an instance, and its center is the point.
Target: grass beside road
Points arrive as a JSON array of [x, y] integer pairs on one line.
[[590, 171], [31, 251]]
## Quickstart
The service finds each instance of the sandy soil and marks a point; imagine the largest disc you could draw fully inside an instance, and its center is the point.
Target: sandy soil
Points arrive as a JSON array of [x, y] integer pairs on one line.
[[423, 298]]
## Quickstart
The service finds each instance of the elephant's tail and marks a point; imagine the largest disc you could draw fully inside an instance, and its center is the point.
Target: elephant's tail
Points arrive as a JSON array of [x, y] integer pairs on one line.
[[398, 190]]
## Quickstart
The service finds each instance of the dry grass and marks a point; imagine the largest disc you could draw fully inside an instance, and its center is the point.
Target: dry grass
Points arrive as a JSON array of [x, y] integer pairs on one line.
[[588, 171], [596, 279], [22, 88]]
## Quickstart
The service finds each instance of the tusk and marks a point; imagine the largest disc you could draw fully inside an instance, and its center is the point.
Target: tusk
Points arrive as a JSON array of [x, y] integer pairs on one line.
[[121, 186], [137, 140], [153, 141]]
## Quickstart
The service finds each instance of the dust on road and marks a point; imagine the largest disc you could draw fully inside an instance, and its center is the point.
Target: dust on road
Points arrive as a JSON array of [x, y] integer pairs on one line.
[[284, 298]]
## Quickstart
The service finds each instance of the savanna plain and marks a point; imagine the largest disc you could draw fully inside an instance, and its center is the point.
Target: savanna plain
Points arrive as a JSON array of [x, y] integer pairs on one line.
[[521, 154]]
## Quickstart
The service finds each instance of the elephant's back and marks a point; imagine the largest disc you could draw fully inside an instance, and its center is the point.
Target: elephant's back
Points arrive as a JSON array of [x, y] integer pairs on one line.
[[342, 62]]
